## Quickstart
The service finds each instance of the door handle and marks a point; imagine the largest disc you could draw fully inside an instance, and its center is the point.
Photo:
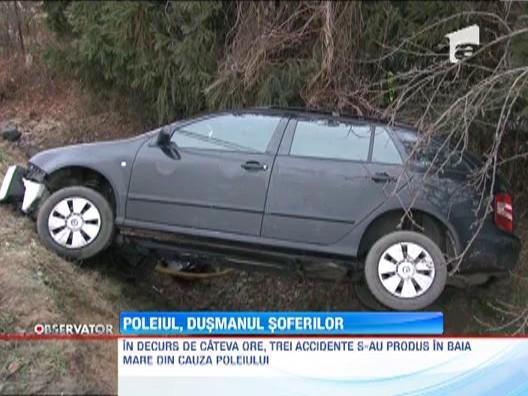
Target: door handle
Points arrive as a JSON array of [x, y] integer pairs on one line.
[[383, 177], [254, 166]]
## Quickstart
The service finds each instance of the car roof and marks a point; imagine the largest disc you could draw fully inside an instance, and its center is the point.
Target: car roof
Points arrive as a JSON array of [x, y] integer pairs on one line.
[[296, 111]]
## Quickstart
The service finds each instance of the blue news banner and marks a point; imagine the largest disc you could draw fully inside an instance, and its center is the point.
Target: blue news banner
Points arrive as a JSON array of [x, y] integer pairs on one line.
[[312, 354], [281, 323]]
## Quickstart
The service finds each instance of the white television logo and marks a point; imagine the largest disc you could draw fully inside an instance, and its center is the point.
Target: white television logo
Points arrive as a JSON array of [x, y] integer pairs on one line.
[[463, 42]]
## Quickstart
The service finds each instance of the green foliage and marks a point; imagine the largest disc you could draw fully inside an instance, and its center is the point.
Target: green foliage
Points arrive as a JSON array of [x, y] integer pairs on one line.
[[177, 58], [164, 54], [279, 85], [55, 17]]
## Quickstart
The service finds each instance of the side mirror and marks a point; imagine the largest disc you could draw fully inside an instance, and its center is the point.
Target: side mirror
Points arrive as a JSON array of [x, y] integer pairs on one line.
[[164, 142], [164, 138]]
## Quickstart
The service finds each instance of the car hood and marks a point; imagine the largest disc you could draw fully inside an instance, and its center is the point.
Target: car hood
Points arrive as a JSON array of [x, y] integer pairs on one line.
[[89, 154]]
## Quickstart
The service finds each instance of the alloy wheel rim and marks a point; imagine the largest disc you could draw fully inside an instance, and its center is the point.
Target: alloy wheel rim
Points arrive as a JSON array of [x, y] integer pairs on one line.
[[406, 270], [74, 222]]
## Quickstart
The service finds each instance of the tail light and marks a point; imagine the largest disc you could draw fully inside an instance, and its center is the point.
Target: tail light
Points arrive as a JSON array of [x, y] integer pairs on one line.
[[504, 212]]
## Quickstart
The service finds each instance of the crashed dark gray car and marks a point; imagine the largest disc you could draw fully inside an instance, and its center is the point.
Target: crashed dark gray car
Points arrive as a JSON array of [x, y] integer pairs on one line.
[[294, 190]]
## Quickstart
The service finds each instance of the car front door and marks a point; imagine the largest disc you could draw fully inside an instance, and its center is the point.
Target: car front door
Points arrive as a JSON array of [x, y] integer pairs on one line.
[[217, 180], [323, 183]]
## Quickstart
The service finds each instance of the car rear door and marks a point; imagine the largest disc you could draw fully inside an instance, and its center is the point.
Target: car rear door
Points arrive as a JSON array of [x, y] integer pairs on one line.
[[218, 182], [323, 183], [385, 165]]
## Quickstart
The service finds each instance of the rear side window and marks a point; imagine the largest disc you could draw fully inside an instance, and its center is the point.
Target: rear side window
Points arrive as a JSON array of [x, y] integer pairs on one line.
[[384, 149], [241, 132], [331, 139]]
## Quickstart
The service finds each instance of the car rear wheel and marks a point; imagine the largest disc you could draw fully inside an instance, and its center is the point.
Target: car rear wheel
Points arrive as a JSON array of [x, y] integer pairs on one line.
[[76, 222], [405, 271]]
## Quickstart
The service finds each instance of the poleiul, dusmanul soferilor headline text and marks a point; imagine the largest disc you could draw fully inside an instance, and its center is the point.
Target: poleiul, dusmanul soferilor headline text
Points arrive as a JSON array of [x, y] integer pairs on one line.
[[247, 323]]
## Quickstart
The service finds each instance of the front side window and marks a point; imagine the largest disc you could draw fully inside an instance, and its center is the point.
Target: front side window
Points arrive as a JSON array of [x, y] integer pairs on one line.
[[241, 132], [331, 139], [384, 149]]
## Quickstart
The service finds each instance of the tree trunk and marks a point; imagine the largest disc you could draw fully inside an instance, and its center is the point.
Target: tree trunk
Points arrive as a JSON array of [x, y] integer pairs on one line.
[[19, 28], [7, 37]]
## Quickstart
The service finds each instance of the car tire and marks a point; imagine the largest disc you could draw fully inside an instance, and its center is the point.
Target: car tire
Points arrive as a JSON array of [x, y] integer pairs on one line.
[[405, 271], [76, 222]]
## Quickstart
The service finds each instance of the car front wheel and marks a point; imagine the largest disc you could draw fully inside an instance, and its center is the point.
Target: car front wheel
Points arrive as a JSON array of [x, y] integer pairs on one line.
[[405, 271], [76, 222]]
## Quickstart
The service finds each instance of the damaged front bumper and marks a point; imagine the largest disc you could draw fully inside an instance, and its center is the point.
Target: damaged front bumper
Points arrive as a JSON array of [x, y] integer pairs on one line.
[[23, 185]]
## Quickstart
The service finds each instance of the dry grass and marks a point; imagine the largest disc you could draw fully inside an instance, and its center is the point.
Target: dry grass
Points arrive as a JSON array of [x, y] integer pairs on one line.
[[51, 110]]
